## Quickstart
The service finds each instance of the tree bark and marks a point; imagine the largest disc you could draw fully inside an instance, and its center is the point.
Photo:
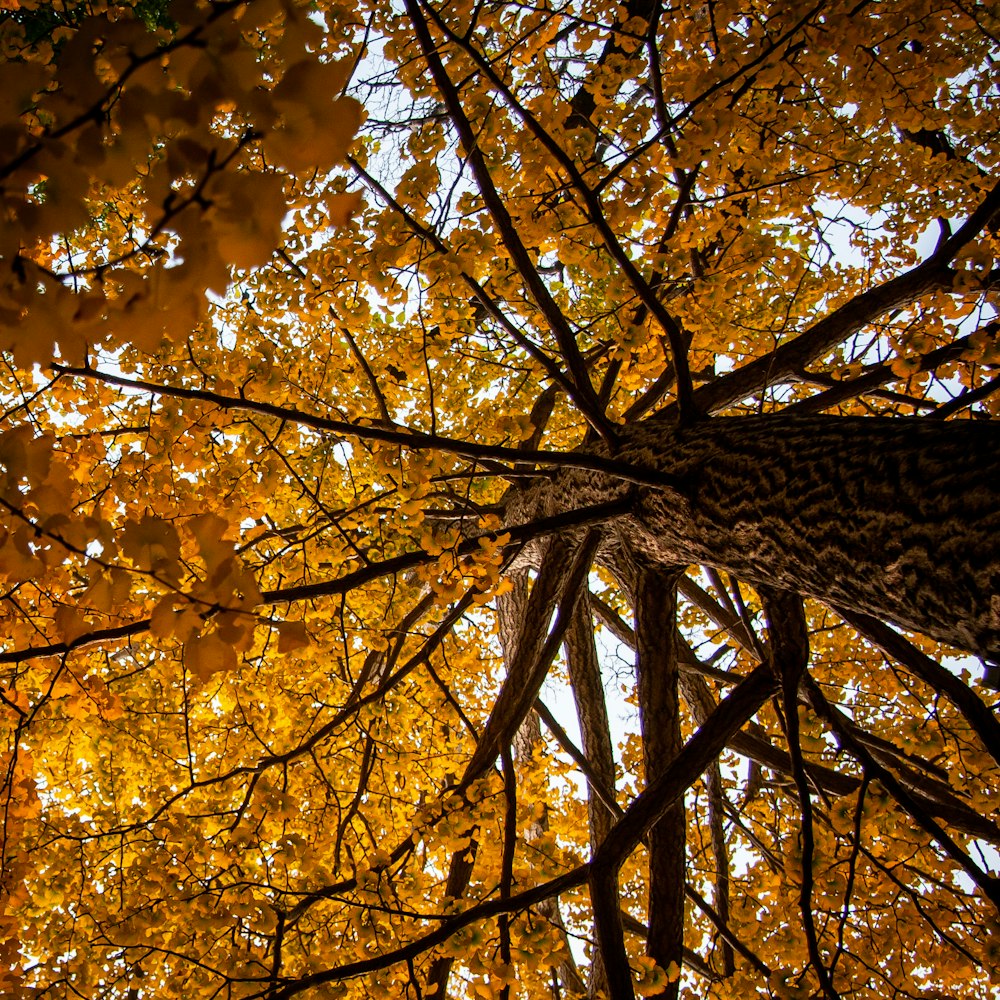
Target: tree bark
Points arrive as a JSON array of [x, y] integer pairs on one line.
[[897, 518], [584, 666], [658, 686]]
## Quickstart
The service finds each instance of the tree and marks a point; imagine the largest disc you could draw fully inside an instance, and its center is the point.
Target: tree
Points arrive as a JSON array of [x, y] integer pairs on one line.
[[634, 364]]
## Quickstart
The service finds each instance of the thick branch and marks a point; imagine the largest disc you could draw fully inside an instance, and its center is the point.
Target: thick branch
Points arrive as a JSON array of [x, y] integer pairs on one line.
[[989, 884], [848, 319], [697, 754], [659, 714], [975, 710], [584, 669], [534, 651]]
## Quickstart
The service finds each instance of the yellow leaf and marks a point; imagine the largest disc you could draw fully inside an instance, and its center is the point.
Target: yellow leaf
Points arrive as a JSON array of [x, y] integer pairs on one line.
[[70, 623], [904, 367], [166, 622], [292, 636], [153, 544], [208, 531], [99, 594], [340, 207], [161, 621], [246, 218], [314, 132], [206, 655]]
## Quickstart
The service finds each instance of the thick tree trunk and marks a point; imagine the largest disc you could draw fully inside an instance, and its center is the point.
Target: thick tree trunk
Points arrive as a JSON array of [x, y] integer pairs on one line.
[[897, 518]]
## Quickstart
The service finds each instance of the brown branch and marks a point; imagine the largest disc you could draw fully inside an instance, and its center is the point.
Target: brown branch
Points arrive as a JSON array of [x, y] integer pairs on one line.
[[605, 794], [726, 932], [657, 673], [988, 884], [489, 304], [975, 710], [720, 853], [789, 642], [584, 395], [873, 379], [933, 796], [376, 389], [535, 649], [447, 928], [694, 758], [599, 789], [595, 212], [405, 438], [702, 703], [848, 319], [340, 585], [965, 399], [584, 668], [507, 859], [511, 608]]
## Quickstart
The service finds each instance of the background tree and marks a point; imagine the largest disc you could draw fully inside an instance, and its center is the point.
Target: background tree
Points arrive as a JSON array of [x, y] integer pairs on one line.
[[636, 364]]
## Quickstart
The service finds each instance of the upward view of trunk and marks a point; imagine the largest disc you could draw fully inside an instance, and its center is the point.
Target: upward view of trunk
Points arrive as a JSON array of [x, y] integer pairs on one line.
[[536, 549], [895, 518]]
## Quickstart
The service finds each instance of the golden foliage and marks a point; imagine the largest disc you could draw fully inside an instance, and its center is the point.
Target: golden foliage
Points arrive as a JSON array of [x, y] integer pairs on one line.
[[295, 299]]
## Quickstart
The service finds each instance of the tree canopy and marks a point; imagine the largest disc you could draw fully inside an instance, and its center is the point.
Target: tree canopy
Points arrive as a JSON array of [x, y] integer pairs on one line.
[[499, 500]]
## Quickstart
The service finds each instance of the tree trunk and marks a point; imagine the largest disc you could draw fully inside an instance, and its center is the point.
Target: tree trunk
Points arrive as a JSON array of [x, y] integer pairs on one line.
[[897, 518]]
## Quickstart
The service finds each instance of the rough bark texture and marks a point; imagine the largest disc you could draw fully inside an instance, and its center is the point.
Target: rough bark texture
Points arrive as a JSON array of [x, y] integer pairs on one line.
[[658, 676], [897, 518], [588, 694], [584, 667]]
